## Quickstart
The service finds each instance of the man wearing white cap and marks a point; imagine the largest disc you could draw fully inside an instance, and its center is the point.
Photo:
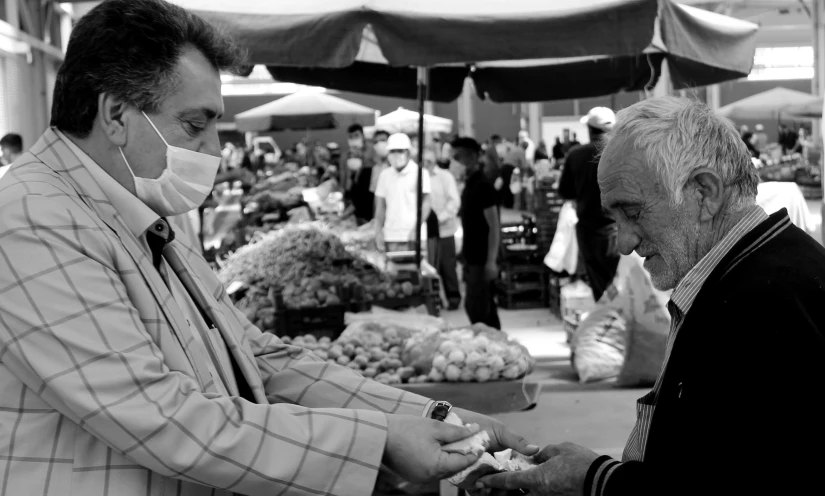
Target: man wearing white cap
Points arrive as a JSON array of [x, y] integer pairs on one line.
[[396, 198], [596, 232]]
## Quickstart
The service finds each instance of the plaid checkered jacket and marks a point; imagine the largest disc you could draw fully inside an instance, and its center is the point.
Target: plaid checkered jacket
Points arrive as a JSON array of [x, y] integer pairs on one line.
[[103, 390]]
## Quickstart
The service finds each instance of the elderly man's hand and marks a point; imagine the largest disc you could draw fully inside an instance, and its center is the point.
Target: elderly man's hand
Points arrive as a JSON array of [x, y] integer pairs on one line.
[[501, 438], [561, 473]]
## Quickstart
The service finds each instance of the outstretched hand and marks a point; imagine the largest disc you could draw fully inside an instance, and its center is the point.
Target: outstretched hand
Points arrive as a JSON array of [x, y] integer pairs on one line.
[[561, 472], [501, 438]]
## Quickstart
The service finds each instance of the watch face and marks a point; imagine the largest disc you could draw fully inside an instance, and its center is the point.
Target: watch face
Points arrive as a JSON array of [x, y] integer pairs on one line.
[[441, 410]]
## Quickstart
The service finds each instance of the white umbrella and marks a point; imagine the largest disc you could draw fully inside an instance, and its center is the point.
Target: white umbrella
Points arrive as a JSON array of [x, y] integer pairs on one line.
[[406, 121], [768, 105]]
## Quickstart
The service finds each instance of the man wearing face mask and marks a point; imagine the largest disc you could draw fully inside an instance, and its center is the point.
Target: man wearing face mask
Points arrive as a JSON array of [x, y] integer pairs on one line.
[[125, 367], [356, 180], [396, 198], [380, 154]]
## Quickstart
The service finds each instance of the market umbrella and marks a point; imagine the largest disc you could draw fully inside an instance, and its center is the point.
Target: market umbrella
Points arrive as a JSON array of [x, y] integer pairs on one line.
[[812, 110], [304, 110], [700, 47], [406, 121], [772, 104]]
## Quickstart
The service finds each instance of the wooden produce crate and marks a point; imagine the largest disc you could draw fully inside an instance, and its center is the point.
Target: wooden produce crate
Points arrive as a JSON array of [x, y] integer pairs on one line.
[[521, 299], [522, 277], [487, 397], [555, 283], [521, 254], [319, 321]]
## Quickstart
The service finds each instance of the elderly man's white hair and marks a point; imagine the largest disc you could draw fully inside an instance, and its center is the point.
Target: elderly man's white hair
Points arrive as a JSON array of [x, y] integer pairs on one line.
[[678, 136]]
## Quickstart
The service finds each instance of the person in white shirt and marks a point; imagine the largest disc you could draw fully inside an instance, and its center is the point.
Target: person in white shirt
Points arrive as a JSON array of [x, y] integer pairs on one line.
[[442, 224], [396, 198], [12, 147]]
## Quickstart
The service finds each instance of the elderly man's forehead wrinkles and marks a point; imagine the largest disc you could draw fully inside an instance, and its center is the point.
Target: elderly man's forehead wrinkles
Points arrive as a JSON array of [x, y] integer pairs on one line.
[[620, 185]]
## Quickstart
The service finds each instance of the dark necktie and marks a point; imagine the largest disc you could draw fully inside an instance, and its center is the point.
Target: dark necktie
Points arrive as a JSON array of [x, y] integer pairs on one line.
[[159, 235]]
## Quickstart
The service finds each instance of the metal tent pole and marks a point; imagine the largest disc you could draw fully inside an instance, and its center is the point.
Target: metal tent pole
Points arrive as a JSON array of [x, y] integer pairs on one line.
[[422, 96]]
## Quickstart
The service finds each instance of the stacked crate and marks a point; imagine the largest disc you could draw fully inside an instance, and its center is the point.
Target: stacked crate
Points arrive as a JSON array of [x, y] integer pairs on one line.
[[522, 286], [547, 205]]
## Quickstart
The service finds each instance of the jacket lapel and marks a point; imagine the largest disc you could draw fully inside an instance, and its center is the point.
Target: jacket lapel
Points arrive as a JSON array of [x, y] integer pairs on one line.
[[175, 254], [59, 157]]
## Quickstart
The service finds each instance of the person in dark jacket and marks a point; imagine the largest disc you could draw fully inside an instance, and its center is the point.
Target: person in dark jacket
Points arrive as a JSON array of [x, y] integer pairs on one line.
[[595, 231], [748, 289]]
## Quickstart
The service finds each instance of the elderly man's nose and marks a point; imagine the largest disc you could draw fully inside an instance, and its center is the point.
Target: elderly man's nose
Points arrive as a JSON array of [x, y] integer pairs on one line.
[[627, 241]]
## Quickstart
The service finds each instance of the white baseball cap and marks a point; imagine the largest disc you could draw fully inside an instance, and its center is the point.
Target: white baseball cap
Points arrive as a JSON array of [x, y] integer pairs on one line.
[[399, 141], [600, 117]]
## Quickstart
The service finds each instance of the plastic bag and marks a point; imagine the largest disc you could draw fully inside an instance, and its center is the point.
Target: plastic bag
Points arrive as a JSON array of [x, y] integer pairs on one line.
[[648, 321], [598, 345], [564, 250]]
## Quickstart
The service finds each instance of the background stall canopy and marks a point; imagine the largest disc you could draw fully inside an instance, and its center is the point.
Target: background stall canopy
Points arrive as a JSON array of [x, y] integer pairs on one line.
[[341, 44], [305, 110], [406, 121], [768, 105]]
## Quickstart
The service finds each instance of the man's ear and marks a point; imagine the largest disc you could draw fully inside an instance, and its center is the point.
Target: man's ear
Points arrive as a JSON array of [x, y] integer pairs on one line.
[[113, 118], [709, 192]]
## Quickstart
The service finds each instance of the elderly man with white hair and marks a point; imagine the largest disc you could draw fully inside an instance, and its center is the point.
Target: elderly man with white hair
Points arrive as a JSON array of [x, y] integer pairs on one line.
[[749, 290]]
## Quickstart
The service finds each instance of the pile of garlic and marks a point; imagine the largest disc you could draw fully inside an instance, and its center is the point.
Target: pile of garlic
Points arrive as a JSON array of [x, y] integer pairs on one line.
[[463, 357]]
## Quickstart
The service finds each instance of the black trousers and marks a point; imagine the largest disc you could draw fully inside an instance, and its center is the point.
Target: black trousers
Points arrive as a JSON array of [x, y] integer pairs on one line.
[[479, 297], [599, 251], [441, 255]]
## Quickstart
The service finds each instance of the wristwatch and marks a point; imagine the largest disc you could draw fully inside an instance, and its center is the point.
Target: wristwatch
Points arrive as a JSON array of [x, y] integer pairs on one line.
[[440, 410]]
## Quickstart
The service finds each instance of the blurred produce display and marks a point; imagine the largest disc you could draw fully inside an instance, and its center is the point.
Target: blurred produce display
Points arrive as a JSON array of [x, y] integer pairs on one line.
[[395, 354], [309, 264]]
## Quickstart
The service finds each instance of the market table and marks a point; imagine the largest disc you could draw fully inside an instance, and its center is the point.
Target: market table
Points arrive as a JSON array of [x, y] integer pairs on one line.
[[488, 398]]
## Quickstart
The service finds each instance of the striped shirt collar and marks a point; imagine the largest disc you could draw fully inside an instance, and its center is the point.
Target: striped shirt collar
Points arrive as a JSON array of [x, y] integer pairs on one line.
[[689, 287]]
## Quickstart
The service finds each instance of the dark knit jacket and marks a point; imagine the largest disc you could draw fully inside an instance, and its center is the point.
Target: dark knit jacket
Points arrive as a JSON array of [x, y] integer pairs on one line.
[[741, 409]]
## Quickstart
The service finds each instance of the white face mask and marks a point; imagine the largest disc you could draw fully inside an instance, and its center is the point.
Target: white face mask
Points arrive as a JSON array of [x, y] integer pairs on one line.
[[354, 164], [381, 149], [184, 184], [398, 160]]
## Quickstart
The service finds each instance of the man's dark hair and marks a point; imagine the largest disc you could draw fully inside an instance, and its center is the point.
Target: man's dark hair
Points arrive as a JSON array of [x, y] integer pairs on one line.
[[355, 128], [130, 50], [495, 137], [467, 144], [12, 141], [380, 132]]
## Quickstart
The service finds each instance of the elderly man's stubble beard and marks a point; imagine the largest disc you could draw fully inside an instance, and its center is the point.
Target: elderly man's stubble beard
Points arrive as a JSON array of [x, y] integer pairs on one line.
[[677, 250]]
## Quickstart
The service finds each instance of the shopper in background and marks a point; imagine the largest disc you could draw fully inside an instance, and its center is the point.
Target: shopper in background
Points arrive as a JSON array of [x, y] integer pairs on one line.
[[396, 198], [595, 230], [442, 224], [748, 139], [788, 138], [482, 237], [746, 286], [541, 152], [760, 138], [527, 145], [491, 159], [380, 152], [558, 152], [126, 369], [803, 145], [357, 177], [12, 147], [357, 156]]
